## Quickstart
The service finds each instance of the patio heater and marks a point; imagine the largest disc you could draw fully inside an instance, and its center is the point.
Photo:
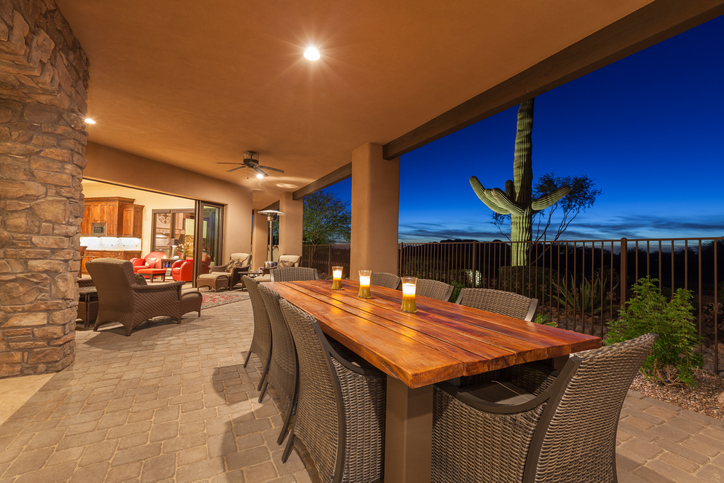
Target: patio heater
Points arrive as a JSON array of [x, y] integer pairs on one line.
[[271, 216]]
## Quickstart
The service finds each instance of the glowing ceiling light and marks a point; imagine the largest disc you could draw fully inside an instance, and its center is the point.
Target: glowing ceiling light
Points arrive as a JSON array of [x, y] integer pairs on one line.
[[311, 53], [88, 120], [259, 175]]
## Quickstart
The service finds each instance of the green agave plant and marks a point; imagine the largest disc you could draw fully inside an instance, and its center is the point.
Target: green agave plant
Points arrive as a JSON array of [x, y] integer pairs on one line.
[[588, 298]]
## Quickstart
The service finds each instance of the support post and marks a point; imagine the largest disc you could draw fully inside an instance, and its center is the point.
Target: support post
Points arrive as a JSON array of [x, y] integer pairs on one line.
[[375, 211]]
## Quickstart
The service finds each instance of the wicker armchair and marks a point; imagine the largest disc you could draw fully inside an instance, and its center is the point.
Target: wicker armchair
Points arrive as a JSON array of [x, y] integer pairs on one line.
[[434, 289], [283, 372], [384, 279], [537, 428], [499, 301], [122, 299], [341, 409], [291, 274], [261, 342]]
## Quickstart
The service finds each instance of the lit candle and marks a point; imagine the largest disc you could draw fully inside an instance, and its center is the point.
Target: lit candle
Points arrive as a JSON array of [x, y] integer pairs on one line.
[[409, 285], [364, 284], [336, 278]]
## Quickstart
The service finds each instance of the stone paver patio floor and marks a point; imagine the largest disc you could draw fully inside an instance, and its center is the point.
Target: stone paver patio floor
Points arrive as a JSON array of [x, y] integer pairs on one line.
[[173, 403]]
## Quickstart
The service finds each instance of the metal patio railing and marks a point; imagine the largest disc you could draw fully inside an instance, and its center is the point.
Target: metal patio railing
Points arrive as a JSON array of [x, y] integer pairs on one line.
[[580, 284]]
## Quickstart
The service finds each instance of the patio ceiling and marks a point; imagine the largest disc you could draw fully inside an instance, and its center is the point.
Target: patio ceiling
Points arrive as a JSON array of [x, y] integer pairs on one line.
[[195, 83]]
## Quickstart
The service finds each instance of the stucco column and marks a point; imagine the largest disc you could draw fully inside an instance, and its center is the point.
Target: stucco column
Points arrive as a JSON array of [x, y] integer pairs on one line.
[[42, 146], [375, 210], [259, 247], [291, 225]]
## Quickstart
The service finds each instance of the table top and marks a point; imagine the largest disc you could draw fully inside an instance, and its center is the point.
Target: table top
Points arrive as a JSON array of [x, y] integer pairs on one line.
[[87, 290], [441, 341]]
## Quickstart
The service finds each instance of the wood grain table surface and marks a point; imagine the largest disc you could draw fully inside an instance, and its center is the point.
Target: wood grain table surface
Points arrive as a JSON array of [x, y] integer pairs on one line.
[[440, 341]]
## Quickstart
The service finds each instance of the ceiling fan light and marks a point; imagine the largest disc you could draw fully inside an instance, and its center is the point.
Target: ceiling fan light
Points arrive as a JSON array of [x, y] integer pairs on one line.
[[259, 175], [311, 53]]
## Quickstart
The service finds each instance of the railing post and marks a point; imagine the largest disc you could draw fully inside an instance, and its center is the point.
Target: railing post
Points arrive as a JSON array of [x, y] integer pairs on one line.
[[400, 247], [623, 270], [475, 263]]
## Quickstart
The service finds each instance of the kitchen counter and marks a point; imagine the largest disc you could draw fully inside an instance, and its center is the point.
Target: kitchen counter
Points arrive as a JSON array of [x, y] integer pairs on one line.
[[119, 254]]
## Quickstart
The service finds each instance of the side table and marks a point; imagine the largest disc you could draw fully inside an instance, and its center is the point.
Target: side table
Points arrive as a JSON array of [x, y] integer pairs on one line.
[[87, 293]]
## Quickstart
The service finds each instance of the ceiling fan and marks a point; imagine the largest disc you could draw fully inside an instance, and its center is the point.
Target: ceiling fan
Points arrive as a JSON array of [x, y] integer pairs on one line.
[[251, 160]]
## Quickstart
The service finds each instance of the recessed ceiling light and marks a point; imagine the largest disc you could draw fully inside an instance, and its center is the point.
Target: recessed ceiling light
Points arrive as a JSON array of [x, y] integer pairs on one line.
[[311, 53], [88, 120], [286, 185]]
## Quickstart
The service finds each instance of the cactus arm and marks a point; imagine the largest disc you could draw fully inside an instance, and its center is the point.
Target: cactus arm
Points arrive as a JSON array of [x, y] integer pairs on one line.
[[550, 199], [510, 189], [506, 203], [487, 197]]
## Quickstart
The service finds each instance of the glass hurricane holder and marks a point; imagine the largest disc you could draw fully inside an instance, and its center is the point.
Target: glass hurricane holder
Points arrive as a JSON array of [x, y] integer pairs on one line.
[[409, 285], [364, 284], [336, 278]]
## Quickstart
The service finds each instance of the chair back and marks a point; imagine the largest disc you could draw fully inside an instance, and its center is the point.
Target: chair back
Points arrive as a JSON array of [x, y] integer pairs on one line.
[[289, 260], [499, 301], [262, 328], [319, 410], [283, 370], [113, 279], [434, 289], [384, 279], [582, 419], [242, 259], [291, 274]]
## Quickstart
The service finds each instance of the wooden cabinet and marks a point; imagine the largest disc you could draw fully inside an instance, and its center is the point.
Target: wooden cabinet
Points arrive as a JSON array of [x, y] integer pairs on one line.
[[121, 216], [131, 221]]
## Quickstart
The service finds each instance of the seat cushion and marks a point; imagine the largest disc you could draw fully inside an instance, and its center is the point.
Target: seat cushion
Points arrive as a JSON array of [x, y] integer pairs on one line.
[[499, 392], [212, 275]]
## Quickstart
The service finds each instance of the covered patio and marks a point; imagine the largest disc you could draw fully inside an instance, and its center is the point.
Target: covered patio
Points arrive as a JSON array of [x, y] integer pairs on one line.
[[175, 91], [173, 403]]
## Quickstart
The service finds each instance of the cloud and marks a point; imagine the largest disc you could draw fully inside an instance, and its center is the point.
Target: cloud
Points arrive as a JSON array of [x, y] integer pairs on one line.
[[631, 226]]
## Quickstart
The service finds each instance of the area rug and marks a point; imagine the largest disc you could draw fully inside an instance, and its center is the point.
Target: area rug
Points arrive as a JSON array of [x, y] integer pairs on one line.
[[222, 298]]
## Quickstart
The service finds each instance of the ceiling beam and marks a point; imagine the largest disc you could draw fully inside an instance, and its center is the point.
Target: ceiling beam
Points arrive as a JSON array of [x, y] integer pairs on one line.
[[327, 180], [651, 24]]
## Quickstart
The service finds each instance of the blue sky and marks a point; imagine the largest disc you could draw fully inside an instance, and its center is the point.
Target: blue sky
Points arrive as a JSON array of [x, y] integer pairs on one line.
[[648, 129]]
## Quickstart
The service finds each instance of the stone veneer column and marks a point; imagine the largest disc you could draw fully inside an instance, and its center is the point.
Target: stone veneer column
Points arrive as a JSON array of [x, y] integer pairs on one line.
[[43, 83], [375, 211]]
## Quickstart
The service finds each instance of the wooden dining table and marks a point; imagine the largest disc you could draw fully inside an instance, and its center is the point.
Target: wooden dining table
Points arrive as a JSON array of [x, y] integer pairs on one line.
[[441, 341]]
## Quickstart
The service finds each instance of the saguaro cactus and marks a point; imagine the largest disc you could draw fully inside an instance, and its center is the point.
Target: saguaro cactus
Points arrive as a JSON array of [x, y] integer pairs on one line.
[[517, 199]]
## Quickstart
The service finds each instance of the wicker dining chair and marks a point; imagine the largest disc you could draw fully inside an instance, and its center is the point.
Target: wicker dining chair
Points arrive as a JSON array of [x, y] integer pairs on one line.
[[283, 372], [261, 341], [548, 429], [384, 279], [122, 299], [341, 408], [499, 301], [291, 274], [434, 289]]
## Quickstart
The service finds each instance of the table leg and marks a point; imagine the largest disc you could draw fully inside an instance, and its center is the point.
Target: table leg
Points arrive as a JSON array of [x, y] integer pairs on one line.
[[87, 310], [408, 438]]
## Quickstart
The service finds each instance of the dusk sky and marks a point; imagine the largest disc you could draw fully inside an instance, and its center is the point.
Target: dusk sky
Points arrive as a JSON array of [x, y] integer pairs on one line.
[[648, 129]]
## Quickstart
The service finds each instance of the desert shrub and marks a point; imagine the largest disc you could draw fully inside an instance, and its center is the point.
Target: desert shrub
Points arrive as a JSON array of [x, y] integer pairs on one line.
[[672, 359], [543, 319], [533, 282], [586, 298]]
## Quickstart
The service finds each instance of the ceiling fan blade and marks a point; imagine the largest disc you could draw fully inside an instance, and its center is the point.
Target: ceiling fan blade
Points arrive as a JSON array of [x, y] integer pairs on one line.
[[272, 169], [234, 169], [218, 162], [260, 172]]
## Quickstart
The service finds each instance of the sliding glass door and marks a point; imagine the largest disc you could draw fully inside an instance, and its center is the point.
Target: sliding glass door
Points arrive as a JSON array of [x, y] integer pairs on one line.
[[209, 236]]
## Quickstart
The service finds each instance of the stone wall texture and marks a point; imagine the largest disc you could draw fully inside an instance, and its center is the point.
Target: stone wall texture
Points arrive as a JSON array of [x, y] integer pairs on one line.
[[43, 83]]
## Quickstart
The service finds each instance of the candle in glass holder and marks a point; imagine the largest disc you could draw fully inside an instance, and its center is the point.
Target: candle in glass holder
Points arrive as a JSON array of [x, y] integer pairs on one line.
[[409, 284], [364, 284], [336, 278]]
